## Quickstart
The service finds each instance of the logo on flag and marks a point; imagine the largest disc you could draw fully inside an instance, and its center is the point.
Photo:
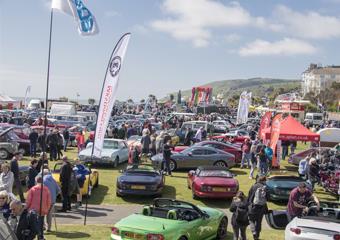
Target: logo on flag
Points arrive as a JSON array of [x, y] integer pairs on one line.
[[115, 65], [87, 24]]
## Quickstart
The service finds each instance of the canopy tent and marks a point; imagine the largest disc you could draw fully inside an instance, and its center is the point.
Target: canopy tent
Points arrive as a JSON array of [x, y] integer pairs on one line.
[[292, 130], [7, 102]]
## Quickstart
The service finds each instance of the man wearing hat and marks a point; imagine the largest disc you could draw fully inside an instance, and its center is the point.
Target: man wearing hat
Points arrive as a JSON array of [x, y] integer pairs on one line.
[[15, 169], [298, 200]]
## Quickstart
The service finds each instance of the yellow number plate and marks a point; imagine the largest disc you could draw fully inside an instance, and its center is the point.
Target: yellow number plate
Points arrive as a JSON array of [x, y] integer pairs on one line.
[[139, 187], [133, 235], [219, 189]]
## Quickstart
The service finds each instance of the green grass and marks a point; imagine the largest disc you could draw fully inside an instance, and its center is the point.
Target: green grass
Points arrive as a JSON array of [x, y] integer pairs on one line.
[[176, 187], [99, 232]]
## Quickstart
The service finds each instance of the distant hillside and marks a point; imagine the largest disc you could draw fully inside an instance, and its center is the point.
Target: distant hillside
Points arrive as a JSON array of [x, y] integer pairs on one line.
[[258, 86]]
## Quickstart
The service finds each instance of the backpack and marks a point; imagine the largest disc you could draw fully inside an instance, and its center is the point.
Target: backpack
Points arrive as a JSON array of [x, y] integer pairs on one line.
[[241, 215], [260, 197]]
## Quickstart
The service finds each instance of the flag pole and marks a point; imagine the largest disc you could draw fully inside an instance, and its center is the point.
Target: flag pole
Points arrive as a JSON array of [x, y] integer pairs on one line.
[[45, 121], [94, 138]]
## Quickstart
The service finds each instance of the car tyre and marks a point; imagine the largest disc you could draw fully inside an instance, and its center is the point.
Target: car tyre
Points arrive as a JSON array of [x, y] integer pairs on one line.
[[4, 154], [183, 238], [194, 196], [116, 162], [222, 229], [221, 164], [118, 194], [97, 182], [173, 165]]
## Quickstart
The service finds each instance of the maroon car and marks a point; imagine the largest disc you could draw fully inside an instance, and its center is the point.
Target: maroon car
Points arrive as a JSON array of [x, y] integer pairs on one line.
[[224, 146], [212, 182]]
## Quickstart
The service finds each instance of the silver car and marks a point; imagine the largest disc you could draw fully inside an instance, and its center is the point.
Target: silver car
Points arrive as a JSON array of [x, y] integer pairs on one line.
[[195, 156], [114, 152]]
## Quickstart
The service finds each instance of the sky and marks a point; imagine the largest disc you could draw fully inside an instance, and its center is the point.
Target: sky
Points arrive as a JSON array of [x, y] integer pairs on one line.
[[175, 44]]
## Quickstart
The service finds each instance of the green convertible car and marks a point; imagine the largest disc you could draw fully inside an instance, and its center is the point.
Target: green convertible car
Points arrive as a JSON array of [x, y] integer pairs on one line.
[[169, 219]]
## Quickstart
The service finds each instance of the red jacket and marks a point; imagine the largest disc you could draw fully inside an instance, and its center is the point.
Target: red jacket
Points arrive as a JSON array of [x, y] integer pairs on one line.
[[33, 200]]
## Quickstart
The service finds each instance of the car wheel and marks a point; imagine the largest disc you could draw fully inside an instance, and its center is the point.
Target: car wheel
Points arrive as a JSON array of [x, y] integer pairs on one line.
[[118, 195], [172, 165], [221, 164], [183, 238], [97, 182], [115, 164], [222, 229], [3, 154], [194, 196]]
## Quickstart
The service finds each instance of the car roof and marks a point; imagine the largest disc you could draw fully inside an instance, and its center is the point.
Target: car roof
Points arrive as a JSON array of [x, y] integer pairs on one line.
[[283, 177]]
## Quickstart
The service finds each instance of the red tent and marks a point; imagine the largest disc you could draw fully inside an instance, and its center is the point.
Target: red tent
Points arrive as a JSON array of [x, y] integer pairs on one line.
[[292, 130]]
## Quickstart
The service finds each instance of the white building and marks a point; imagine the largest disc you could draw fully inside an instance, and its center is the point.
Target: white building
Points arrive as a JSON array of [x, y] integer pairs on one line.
[[317, 78]]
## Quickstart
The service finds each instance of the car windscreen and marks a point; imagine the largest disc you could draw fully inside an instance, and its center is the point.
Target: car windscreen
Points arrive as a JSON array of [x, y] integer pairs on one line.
[[13, 136], [168, 203], [141, 172], [215, 173], [110, 145]]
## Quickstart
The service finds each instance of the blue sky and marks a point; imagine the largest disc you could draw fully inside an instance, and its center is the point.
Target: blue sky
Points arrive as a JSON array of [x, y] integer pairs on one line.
[[175, 44]]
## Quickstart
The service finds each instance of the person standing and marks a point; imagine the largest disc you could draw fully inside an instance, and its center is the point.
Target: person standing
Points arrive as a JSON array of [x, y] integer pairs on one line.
[[298, 200], [15, 169], [257, 200], [40, 205], [27, 227], [43, 160], [167, 156], [284, 145], [65, 180], [52, 141], [239, 219], [54, 188], [263, 162], [33, 137], [246, 155], [253, 160], [269, 154], [80, 141], [313, 172], [66, 134], [6, 178], [293, 147], [188, 137], [146, 141], [60, 144], [32, 173], [198, 135]]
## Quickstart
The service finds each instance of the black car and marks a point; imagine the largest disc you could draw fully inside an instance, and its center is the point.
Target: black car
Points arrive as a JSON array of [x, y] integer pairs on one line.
[[140, 180]]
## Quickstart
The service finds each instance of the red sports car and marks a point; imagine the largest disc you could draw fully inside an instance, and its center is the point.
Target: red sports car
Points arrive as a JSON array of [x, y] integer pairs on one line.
[[212, 182], [224, 146]]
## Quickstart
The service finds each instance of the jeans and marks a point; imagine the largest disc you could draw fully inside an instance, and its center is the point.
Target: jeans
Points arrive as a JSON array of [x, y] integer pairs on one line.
[[284, 152], [256, 221], [33, 149], [167, 166], [263, 168], [53, 152], [41, 227], [239, 232], [65, 144], [246, 156], [252, 169]]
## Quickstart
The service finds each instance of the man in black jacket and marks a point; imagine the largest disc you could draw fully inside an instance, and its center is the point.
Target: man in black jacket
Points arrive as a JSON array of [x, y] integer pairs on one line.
[[33, 137], [52, 141], [27, 228], [167, 156], [66, 134], [15, 169], [65, 179], [257, 200]]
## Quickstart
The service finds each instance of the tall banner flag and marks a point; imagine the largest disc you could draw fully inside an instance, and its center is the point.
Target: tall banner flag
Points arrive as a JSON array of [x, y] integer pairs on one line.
[[265, 121], [87, 24], [243, 107], [274, 136], [28, 90], [109, 92]]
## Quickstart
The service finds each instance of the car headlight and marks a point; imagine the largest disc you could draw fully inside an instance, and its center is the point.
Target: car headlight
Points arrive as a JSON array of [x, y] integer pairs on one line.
[[122, 186]]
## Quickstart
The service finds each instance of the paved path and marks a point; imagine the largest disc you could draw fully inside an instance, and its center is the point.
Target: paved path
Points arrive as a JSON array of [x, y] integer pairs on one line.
[[110, 214]]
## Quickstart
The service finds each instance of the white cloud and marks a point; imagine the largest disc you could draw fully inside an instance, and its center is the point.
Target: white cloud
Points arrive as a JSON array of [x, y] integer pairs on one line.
[[307, 25], [192, 20], [287, 46]]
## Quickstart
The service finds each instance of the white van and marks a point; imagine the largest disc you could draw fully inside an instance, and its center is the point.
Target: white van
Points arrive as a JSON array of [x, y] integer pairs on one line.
[[314, 118]]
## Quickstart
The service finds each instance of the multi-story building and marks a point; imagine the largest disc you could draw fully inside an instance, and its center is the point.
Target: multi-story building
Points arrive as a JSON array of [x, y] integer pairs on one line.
[[317, 78]]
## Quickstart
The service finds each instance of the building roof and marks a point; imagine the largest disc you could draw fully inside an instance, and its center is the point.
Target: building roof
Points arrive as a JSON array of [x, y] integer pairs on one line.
[[325, 70]]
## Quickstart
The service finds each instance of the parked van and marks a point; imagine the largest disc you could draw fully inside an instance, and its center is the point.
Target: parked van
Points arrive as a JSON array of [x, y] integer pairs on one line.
[[194, 125], [314, 118]]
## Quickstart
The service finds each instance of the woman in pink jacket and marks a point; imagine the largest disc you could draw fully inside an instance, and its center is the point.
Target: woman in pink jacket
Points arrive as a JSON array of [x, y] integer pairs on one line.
[[33, 200]]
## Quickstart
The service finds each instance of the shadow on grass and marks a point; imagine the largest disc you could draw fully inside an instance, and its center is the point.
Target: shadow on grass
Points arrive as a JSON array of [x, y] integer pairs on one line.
[[238, 172], [98, 195], [168, 192], [71, 235], [216, 203]]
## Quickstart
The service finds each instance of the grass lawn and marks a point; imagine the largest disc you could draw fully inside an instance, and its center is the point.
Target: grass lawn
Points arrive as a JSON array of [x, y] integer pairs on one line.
[[176, 187], [103, 232]]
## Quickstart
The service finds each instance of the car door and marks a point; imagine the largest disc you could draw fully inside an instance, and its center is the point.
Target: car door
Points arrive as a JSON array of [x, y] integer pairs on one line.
[[277, 219], [196, 158], [203, 228], [123, 152], [210, 156]]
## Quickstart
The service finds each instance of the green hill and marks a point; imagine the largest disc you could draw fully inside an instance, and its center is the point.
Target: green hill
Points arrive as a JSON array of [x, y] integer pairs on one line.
[[258, 86]]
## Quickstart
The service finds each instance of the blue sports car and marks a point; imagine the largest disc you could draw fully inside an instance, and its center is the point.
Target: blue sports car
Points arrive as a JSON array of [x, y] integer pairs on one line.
[[140, 180]]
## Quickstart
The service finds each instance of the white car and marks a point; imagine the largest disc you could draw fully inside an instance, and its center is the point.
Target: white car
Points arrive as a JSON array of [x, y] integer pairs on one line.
[[115, 151], [316, 225]]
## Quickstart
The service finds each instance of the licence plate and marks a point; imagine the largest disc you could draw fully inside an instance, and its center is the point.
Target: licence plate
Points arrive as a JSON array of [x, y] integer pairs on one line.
[[219, 189], [138, 187], [133, 235]]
